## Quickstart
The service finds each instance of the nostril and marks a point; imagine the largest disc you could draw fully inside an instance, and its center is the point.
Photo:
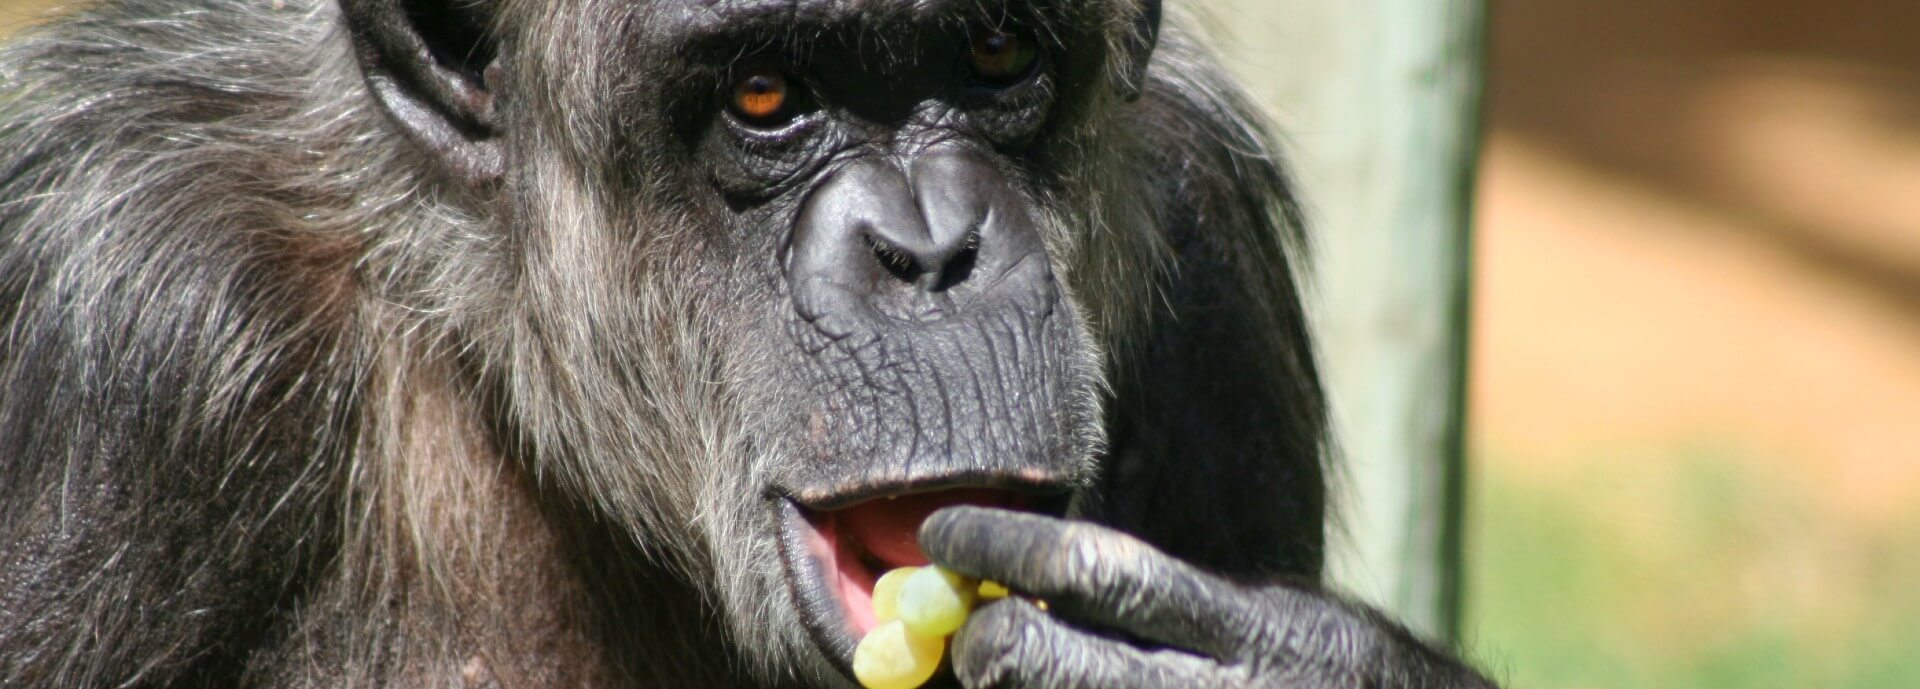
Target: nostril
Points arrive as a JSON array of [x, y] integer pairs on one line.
[[960, 267], [895, 260], [933, 273]]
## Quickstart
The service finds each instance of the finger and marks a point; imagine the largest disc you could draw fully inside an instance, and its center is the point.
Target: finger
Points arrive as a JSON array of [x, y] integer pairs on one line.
[[1089, 573], [1013, 644]]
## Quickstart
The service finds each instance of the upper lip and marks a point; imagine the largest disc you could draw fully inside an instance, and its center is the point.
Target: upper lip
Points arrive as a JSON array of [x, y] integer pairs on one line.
[[826, 499]]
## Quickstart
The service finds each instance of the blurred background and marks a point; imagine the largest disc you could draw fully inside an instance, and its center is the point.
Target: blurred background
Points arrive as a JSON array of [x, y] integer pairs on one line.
[[1694, 380], [1696, 375], [1694, 419]]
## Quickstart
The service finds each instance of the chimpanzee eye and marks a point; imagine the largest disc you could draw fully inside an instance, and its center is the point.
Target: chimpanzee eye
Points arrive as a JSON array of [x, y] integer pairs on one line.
[[761, 98], [1001, 58]]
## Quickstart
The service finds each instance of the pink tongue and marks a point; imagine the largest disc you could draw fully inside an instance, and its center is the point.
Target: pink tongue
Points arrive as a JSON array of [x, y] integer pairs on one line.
[[889, 528]]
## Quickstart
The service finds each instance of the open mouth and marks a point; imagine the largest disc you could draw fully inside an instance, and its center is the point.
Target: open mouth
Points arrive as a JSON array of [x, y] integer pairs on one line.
[[833, 556]]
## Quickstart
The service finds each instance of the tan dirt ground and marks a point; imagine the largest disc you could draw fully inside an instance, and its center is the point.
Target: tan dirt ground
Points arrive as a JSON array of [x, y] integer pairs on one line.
[[1700, 223]]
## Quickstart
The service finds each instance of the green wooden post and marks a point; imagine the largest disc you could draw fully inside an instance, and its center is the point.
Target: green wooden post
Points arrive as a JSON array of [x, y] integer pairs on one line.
[[1379, 108]]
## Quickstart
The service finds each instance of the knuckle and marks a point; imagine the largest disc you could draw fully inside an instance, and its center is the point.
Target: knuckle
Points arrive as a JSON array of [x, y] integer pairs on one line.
[[1309, 636], [987, 652], [1344, 639], [1336, 643], [1120, 569], [1077, 555], [1085, 547]]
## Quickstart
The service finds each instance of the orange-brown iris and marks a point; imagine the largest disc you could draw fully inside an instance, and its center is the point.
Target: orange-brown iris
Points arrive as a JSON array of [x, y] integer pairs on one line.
[[760, 96], [1000, 56]]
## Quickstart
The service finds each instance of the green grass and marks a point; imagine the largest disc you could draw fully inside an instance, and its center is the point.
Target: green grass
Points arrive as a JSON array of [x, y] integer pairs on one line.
[[1687, 571]]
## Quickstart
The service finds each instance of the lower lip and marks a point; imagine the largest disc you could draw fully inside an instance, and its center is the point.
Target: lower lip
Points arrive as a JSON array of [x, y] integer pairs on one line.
[[849, 579], [811, 584], [830, 562]]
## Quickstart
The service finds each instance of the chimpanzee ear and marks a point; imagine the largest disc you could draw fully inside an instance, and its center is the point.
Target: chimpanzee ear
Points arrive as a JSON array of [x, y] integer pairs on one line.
[[432, 65], [1138, 47]]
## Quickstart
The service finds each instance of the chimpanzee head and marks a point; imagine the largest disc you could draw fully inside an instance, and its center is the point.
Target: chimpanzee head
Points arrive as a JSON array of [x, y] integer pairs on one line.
[[764, 283]]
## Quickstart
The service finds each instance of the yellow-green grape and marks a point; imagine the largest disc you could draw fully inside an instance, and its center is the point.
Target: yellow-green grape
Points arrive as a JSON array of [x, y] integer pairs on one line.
[[989, 590], [886, 593], [934, 601], [890, 657]]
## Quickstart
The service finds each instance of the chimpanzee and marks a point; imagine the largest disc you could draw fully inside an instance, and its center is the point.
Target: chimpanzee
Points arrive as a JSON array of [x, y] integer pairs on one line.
[[583, 343]]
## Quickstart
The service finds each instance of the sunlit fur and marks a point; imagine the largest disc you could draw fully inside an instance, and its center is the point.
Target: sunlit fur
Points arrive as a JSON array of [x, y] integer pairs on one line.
[[218, 257]]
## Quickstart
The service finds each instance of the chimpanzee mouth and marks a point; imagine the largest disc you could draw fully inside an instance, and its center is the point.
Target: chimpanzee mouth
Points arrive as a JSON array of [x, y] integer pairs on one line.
[[835, 549]]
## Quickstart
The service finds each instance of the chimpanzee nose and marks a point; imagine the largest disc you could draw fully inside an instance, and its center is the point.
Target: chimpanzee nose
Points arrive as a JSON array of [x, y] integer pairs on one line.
[[935, 245], [917, 240]]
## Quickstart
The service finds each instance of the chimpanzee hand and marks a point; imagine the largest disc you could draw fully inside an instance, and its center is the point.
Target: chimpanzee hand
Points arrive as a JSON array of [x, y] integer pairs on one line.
[[1123, 614]]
